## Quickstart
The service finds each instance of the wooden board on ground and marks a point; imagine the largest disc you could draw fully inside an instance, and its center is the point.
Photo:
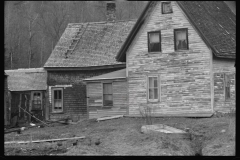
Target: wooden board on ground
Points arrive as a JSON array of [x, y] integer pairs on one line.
[[106, 118], [47, 140], [161, 128]]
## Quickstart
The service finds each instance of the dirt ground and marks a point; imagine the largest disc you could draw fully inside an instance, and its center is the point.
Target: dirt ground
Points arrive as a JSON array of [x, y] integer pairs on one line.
[[208, 136]]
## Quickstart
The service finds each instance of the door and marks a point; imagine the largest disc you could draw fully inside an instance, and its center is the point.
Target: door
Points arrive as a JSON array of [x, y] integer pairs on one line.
[[37, 105]]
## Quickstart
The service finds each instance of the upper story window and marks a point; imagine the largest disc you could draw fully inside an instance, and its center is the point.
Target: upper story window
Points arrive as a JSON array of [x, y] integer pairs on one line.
[[166, 8], [181, 39], [154, 41]]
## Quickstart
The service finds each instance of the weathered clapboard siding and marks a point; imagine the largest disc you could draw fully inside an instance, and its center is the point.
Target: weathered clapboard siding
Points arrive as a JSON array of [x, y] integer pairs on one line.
[[184, 75], [95, 99], [221, 67]]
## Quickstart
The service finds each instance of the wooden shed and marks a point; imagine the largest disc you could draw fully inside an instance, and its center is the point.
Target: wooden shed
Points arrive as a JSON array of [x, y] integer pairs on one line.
[[107, 94], [27, 89]]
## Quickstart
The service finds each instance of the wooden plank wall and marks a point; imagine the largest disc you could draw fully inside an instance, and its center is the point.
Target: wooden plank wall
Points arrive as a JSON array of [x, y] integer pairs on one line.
[[184, 75], [221, 67], [95, 101]]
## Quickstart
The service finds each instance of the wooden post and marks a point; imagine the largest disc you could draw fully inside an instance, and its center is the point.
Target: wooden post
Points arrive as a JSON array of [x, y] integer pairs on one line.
[[20, 101]]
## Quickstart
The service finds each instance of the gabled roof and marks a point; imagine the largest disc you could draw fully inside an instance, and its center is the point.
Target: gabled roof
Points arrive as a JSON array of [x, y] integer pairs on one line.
[[90, 44], [214, 20], [113, 75], [27, 79]]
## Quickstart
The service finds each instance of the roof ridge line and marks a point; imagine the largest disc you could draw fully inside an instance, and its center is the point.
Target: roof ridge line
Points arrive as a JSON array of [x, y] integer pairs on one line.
[[102, 22]]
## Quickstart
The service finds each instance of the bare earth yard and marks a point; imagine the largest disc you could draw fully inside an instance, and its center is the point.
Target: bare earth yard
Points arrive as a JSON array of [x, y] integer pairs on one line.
[[209, 136]]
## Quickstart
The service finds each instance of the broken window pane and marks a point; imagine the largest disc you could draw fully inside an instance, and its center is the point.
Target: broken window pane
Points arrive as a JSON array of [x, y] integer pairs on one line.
[[166, 7]]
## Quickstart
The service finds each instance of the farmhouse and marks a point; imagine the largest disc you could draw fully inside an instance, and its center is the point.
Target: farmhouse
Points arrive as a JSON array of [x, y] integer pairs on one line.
[[26, 91], [83, 51], [180, 59]]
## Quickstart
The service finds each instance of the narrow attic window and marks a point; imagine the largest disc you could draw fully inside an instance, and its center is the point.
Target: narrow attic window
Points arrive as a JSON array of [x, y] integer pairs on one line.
[[154, 41], [166, 8], [181, 39]]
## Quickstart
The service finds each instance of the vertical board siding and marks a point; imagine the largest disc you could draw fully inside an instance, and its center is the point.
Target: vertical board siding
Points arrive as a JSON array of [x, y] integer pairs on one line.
[[185, 75], [95, 99], [74, 97], [221, 67]]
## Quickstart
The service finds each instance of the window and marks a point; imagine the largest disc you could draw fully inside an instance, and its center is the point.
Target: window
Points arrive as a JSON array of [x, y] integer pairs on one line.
[[37, 101], [153, 88], [227, 86], [57, 102], [154, 41], [166, 7], [107, 94], [181, 39]]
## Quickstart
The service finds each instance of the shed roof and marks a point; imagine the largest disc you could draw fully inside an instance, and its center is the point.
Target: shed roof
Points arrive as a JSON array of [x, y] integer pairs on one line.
[[27, 79], [214, 20], [90, 44], [113, 75]]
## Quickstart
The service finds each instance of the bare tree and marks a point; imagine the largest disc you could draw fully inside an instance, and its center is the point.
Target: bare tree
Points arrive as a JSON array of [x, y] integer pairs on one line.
[[27, 12]]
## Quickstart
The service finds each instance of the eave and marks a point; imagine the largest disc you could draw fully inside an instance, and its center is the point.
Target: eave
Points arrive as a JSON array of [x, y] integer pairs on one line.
[[85, 68]]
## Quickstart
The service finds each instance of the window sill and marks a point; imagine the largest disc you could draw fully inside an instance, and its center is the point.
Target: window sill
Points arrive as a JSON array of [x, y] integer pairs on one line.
[[156, 101], [107, 107], [181, 50], [155, 52], [56, 112]]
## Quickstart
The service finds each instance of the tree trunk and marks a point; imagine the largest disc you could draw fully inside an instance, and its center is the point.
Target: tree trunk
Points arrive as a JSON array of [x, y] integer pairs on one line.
[[30, 49], [42, 51]]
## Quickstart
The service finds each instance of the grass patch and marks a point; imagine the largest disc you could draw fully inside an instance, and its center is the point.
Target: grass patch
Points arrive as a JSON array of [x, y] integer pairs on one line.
[[123, 137]]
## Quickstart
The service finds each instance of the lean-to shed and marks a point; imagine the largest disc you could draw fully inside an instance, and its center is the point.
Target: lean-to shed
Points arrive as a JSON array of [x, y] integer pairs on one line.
[[107, 94], [27, 88]]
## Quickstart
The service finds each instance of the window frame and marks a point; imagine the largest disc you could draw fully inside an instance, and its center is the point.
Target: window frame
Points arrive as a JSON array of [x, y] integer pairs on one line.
[[158, 87], [106, 94], [32, 108], [225, 86], [175, 44], [167, 3], [53, 102], [148, 35]]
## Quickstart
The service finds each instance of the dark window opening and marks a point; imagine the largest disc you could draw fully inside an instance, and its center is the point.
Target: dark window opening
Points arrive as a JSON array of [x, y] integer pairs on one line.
[[166, 8], [227, 87], [154, 42], [181, 39], [107, 94]]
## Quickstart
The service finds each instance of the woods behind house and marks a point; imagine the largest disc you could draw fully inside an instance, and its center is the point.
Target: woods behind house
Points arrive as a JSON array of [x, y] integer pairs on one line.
[[32, 28]]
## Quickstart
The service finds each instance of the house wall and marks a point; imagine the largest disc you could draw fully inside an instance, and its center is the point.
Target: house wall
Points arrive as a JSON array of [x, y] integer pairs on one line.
[[185, 78], [74, 96], [95, 98], [221, 67], [6, 103]]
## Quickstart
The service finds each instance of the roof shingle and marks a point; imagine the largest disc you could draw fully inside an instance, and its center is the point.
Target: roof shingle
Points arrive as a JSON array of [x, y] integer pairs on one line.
[[216, 22], [27, 79], [90, 44]]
